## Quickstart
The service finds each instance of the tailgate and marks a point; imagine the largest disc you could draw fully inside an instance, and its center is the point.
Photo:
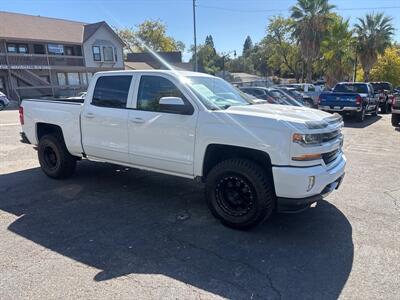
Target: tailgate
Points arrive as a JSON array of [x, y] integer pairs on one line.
[[338, 99]]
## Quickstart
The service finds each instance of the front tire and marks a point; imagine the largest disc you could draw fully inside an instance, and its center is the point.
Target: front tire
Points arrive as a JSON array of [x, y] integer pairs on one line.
[[54, 158], [385, 108], [395, 119], [240, 193], [2, 105]]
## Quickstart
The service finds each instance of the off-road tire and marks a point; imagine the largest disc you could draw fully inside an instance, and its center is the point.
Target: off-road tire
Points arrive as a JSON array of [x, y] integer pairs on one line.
[[395, 120], [54, 158], [260, 186]]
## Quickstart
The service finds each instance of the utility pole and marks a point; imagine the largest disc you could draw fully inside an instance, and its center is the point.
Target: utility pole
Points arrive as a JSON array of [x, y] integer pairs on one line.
[[194, 31]]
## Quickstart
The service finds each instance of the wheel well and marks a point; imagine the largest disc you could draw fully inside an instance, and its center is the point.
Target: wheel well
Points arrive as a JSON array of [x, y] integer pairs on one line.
[[44, 128], [216, 153]]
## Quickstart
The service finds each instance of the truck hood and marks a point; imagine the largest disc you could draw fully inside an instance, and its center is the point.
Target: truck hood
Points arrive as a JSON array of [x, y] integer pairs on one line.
[[287, 113]]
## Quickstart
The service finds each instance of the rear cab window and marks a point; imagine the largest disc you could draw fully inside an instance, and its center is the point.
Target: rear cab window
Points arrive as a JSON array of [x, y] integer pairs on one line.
[[112, 91], [351, 88]]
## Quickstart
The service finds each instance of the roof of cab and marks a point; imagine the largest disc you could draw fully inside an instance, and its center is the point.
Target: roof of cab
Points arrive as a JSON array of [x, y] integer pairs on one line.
[[169, 72]]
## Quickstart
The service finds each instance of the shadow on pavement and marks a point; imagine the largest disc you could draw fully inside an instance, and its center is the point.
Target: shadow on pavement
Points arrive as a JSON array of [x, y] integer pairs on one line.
[[125, 221], [352, 123]]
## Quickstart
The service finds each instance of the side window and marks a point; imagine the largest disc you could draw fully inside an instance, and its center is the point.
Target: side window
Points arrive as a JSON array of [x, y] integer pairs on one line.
[[96, 53], [112, 91], [311, 88], [152, 89]]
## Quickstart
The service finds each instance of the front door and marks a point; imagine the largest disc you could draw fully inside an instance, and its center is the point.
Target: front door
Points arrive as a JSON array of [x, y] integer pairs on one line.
[[161, 140], [104, 120]]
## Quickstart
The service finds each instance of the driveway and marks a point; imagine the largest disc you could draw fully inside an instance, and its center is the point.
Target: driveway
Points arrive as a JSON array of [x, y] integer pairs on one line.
[[115, 232]]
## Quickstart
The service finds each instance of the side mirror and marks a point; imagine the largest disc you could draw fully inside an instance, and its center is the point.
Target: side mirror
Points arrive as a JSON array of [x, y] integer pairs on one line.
[[174, 105]]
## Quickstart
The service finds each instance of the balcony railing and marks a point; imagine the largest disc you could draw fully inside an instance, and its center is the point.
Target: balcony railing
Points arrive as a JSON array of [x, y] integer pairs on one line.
[[33, 61]]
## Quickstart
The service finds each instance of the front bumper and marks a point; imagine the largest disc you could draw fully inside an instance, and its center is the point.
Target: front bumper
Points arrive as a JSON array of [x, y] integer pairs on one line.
[[292, 184], [340, 108]]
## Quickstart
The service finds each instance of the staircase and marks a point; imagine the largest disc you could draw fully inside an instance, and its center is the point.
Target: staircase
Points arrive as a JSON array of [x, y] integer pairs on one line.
[[31, 79]]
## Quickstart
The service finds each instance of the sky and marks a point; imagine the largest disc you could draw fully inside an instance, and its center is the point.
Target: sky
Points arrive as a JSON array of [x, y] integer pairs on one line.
[[228, 21]]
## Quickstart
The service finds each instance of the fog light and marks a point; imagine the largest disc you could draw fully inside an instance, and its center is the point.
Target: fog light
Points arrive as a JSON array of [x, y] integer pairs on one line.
[[311, 182]]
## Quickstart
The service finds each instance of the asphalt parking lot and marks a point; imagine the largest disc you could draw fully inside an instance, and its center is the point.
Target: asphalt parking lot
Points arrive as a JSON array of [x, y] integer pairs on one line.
[[113, 232]]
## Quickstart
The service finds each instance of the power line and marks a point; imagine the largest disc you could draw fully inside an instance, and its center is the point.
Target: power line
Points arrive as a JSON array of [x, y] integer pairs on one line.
[[280, 10]]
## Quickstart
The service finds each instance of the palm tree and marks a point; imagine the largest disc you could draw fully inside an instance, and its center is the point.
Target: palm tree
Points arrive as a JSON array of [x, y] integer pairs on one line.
[[374, 33], [337, 48], [311, 20]]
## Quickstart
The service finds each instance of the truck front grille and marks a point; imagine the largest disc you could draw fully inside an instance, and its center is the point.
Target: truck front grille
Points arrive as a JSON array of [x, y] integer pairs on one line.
[[330, 156]]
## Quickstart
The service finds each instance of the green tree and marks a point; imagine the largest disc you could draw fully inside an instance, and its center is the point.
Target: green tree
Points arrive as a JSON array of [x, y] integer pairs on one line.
[[285, 57], [209, 61], [387, 67], [150, 33], [374, 33], [311, 18], [337, 51], [247, 46]]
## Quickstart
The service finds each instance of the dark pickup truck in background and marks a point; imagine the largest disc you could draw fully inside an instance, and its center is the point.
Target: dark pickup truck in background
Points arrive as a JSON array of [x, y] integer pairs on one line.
[[353, 98], [385, 93], [396, 111]]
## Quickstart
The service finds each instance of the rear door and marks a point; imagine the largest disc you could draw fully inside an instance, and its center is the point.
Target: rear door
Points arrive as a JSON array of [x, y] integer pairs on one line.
[[159, 139], [104, 119]]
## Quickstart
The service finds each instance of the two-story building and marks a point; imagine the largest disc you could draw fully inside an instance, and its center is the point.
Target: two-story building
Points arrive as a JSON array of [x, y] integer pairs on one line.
[[42, 56]]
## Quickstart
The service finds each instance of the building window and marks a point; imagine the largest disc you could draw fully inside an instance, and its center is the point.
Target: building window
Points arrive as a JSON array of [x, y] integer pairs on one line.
[[68, 50], [62, 80], [73, 79], [55, 49], [96, 53], [38, 49], [22, 48], [108, 54], [11, 48], [17, 48], [83, 78]]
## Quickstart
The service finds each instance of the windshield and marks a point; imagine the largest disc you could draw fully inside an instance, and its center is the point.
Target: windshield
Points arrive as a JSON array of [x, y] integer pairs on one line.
[[283, 98], [216, 93], [351, 88]]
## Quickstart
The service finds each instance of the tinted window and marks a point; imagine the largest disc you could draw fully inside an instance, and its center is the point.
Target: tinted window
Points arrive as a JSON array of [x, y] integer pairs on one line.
[[380, 86], [152, 89], [112, 91], [351, 88]]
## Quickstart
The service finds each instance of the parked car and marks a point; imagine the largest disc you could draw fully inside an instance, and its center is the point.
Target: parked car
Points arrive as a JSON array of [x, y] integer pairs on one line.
[[308, 90], [271, 95], [299, 97], [396, 110], [385, 92], [4, 102], [80, 96], [356, 99], [253, 158]]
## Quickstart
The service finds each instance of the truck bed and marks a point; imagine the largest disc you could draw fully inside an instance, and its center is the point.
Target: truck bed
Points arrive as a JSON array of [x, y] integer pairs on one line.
[[64, 113]]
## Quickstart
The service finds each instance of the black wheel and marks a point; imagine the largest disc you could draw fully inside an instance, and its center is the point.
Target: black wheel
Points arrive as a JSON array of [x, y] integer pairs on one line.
[[240, 193], [395, 119], [54, 158], [360, 116], [375, 112], [2, 105], [385, 108]]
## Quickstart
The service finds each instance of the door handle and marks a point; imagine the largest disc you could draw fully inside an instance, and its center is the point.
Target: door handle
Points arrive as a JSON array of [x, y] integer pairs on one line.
[[89, 115], [137, 120]]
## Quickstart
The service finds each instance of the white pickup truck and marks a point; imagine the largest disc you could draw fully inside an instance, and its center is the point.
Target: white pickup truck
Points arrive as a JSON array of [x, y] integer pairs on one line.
[[253, 158]]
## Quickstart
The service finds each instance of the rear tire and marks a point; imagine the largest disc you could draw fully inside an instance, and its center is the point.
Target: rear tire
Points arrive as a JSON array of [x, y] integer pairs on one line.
[[240, 193], [2, 105], [395, 119], [54, 158], [360, 116]]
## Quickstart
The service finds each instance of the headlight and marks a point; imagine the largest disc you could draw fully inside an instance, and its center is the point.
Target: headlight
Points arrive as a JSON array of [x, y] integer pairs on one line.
[[308, 139]]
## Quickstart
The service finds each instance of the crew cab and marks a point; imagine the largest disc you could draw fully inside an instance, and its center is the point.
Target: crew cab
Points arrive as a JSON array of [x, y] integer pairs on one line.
[[355, 98], [253, 158]]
